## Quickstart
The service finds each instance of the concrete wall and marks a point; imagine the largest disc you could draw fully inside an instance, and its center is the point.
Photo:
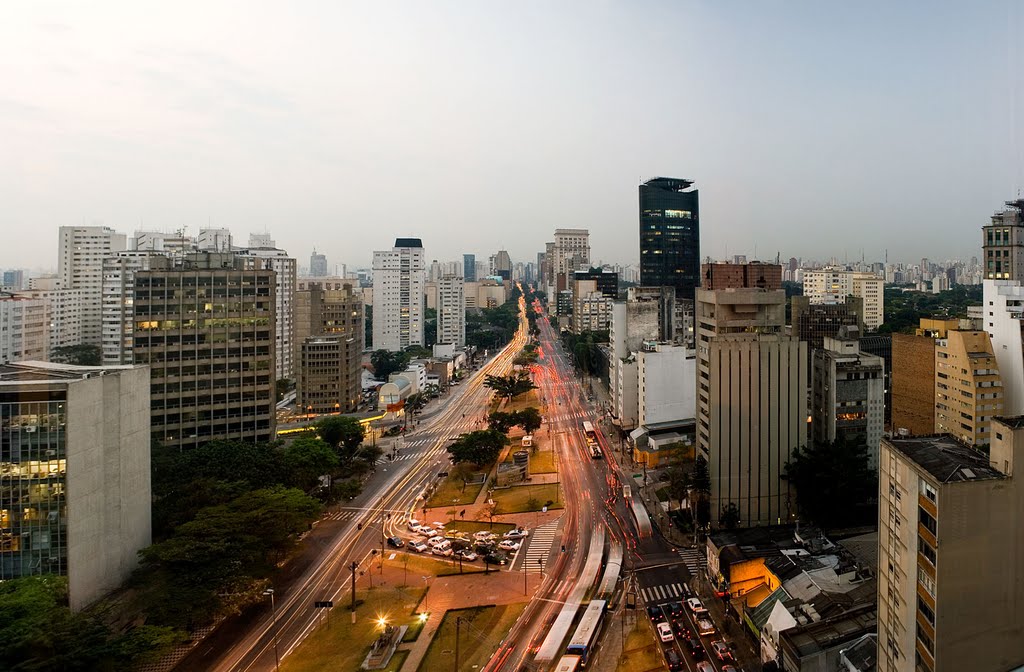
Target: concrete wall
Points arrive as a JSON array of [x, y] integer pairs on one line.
[[1002, 318], [913, 383], [668, 385], [108, 481]]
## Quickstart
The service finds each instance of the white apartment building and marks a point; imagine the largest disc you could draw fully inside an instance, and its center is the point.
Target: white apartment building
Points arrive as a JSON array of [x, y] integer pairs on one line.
[[667, 388], [833, 286], [24, 328], [398, 286], [1003, 319], [118, 316], [81, 252], [632, 323], [451, 310], [571, 251], [285, 268], [63, 309], [169, 243], [592, 310], [214, 240]]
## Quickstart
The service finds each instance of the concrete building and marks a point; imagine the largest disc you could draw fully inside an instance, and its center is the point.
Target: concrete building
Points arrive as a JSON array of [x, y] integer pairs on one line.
[[13, 280], [451, 311], [1003, 244], [675, 315], [591, 308], [206, 326], [632, 323], [74, 456], [118, 324], [24, 328], [63, 310], [171, 244], [848, 394], [469, 267], [755, 275], [913, 377], [329, 343], [951, 557], [484, 294], [286, 269], [968, 388], [398, 278], [1003, 319], [670, 235], [81, 252], [830, 286], [214, 240], [881, 346], [667, 377], [317, 265], [570, 252], [501, 265], [813, 322]]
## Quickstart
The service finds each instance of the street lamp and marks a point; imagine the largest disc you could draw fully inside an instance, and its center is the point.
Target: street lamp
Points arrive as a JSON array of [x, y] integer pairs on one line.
[[273, 611]]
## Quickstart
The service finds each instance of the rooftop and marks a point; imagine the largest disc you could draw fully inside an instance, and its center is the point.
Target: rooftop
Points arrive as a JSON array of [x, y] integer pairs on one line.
[[831, 632], [408, 242], [36, 371], [669, 183], [946, 459], [1013, 422]]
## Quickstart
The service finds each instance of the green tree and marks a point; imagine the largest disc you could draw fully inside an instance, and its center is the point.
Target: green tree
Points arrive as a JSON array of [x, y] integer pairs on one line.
[[835, 487], [503, 422], [729, 517], [385, 362], [342, 432], [283, 386], [307, 458], [529, 419], [700, 485], [510, 386], [82, 355], [481, 447]]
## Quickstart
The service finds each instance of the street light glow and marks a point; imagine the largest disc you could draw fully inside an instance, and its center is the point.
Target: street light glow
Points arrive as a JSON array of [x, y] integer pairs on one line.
[[423, 617]]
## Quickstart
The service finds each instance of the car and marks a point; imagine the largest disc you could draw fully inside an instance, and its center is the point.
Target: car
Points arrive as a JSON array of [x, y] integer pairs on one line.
[[705, 666], [665, 632], [509, 545], [443, 550], [695, 647], [674, 660], [705, 626], [679, 627], [721, 650], [496, 558], [434, 541], [729, 668], [438, 526], [676, 609], [468, 556], [418, 546], [414, 526], [426, 531], [695, 605], [485, 548], [484, 535], [655, 614], [517, 534], [395, 542]]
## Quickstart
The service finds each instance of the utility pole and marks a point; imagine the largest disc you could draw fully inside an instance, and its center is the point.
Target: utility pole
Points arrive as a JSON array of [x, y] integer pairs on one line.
[[458, 623], [353, 567]]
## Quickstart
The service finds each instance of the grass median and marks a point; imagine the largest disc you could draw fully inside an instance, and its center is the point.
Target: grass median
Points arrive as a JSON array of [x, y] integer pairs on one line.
[[542, 462], [453, 492], [640, 651], [480, 632], [523, 498]]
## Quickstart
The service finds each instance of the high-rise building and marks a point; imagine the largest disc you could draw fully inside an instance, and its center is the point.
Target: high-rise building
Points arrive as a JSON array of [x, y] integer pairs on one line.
[[950, 554], [63, 310], [968, 388], [832, 286], [606, 282], [880, 345], [913, 377], [632, 323], [451, 311], [1003, 243], [1003, 319], [398, 279], [214, 240], [675, 316], [286, 269], [119, 303], [591, 308], [81, 254], [24, 328], [812, 322], [727, 275], [670, 235], [848, 393], [329, 344], [501, 265], [74, 456], [13, 281], [206, 326], [166, 243], [262, 240], [469, 267], [317, 265]]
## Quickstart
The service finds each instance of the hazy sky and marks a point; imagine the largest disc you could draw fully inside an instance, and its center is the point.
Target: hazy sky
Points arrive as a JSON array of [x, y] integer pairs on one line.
[[810, 130]]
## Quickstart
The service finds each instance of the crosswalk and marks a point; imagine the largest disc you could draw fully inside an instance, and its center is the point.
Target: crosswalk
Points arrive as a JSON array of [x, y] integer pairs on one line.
[[662, 593], [693, 559], [342, 514], [539, 545]]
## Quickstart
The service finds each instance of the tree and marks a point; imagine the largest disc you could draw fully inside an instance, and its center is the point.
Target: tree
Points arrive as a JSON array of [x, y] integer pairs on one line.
[[730, 516], [510, 386], [283, 386], [305, 459], [835, 487], [82, 355], [700, 484], [501, 421], [342, 433], [480, 447], [385, 363], [529, 419]]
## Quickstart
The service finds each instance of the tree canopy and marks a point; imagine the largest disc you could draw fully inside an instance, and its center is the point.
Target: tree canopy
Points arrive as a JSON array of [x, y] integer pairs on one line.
[[510, 386], [342, 432], [82, 355], [480, 447], [835, 487], [385, 362]]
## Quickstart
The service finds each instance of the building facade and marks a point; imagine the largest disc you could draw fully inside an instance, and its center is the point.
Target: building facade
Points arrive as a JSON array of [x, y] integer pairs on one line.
[[329, 342], [950, 555], [398, 279], [63, 310], [317, 265], [206, 325], [81, 252], [968, 388], [1003, 244], [670, 235], [118, 324], [286, 269], [1003, 319], [24, 328], [75, 461], [451, 311], [913, 377], [469, 267], [831, 286]]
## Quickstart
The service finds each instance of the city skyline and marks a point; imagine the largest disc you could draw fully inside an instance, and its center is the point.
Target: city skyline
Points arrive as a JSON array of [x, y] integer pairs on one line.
[[143, 119]]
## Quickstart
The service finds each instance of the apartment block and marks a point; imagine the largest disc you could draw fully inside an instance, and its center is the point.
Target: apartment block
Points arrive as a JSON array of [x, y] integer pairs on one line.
[[75, 463], [24, 328], [1003, 319], [63, 310], [451, 310], [1003, 243], [950, 554], [206, 324], [398, 279], [81, 252], [968, 388], [830, 286], [913, 377], [632, 323], [286, 268], [329, 341], [591, 308], [118, 324]]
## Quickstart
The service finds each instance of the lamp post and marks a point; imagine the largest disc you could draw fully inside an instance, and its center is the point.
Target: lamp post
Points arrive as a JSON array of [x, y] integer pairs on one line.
[[273, 611]]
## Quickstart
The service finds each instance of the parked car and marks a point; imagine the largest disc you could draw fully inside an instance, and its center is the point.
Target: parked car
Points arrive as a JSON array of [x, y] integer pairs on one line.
[[414, 526], [655, 614], [517, 534], [676, 609], [695, 604], [496, 558], [694, 645], [705, 626], [705, 666], [509, 545], [665, 632], [434, 541], [674, 660], [484, 535], [395, 542], [721, 650], [444, 550], [468, 556], [418, 546], [426, 531]]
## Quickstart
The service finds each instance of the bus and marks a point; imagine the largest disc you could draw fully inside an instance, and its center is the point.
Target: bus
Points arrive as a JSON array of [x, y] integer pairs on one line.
[[568, 664], [585, 637], [591, 436]]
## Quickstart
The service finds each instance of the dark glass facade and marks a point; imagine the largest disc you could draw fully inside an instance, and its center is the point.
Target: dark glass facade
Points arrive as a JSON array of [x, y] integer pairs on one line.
[[670, 235]]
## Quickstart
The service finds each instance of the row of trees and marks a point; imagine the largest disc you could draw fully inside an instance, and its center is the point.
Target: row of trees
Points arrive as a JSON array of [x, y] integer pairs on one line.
[[529, 419], [510, 386], [583, 347]]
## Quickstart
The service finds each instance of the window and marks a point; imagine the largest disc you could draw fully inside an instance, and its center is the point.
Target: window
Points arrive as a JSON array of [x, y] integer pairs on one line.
[[922, 637], [926, 580], [926, 550]]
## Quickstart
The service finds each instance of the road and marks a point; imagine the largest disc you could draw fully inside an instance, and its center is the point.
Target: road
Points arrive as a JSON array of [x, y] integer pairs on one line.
[[248, 644]]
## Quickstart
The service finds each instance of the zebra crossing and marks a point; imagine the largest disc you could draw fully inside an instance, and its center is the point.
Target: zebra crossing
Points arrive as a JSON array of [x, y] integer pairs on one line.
[[539, 546], [662, 593], [342, 514], [693, 559]]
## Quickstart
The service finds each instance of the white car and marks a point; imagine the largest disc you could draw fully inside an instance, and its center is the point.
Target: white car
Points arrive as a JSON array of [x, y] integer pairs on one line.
[[443, 550], [414, 526], [665, 632], [517, 534], [484, 535], [705, 666], [695, 605], [509, 545], [434, 541], [418, 546], [705, 626], [468, 556], [426, 531], [438, 526]]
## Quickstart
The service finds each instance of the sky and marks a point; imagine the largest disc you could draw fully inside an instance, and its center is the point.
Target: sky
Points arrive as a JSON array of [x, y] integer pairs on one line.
[[812, 130]]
